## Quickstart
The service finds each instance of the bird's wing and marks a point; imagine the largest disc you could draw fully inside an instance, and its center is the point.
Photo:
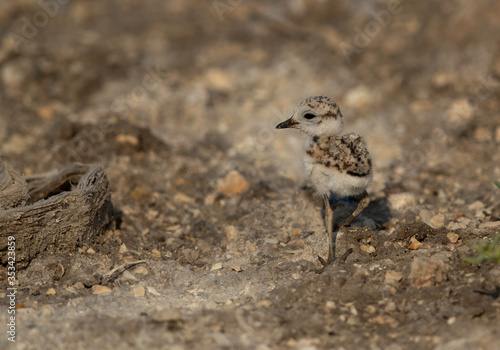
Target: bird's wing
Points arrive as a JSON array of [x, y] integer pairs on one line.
[[351, 154]]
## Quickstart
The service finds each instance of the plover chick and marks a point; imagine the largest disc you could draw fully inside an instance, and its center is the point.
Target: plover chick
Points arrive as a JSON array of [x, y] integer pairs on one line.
[[339, 166]]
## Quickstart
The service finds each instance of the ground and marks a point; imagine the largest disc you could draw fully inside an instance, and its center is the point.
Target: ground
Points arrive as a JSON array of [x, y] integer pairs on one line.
[[178, 102]]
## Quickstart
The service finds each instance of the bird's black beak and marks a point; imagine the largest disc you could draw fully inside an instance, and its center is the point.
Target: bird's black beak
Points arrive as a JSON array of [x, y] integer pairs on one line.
[[289, 123]]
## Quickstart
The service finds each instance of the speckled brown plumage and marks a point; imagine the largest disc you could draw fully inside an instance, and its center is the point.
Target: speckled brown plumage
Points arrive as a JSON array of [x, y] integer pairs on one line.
[[347, 154]]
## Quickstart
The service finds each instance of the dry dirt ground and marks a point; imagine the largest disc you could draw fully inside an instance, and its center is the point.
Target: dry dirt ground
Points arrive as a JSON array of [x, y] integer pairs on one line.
[[178, 100]]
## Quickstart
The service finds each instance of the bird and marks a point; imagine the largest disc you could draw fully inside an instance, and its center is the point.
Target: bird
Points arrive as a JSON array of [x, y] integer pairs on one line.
[[339, 166]]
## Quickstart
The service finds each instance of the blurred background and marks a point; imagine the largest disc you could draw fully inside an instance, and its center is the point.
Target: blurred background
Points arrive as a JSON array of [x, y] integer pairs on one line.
[[172, 96]]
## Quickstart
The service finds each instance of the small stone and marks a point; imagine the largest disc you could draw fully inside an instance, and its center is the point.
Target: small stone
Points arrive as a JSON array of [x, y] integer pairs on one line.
[[383, 319], [437, 221], [231, 233], [453, 225], [130, 139], [426, 272], [46, 112], [71, 290], [141, 270], [401, 201], [371, 309], [393, 277], [232, 184], [98, 289], [414, 244], [79, 285], [272, 241], [451, 320], [123, 249], [216, 266], [477, 205], [153, 291], [426, 215], [91, 251], [50, 291], [183, 198], [237, 268], [265, 303], [490, 224], [460, 112], [360, 97], [390, 307], [46, 310], [452, 237], [330, 305], [219, 79], [482, 134], [497, 134], [156, 253], [138, 291], [367, 248], [166, 315]]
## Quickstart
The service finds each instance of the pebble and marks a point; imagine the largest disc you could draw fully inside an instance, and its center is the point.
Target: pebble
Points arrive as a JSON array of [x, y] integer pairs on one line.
[[371, 309], [482, 134], [138, 291], [123, 249], [490, 224], [359, 97], [437, 221], [401, 201], [183, 198], [231, 233], [232, 184], [497, 134], [166, 315], [216, 266], [153, 291], [453, 225], [390, 307], [367, 248], [452, 237], [414, 243], [130, 139], [91, 251], [141, 270], [330, 305], [98, 289], [156, 253], [477, 205], [460, 112], [79, 285], [426, 272], [392, 277], [51, 291], [272, 241], [219, 80], [237, 268]]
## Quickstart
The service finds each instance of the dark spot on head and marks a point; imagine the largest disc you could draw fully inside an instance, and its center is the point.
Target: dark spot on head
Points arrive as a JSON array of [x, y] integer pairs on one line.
[[331, 114], [310, 152], [316, 138]]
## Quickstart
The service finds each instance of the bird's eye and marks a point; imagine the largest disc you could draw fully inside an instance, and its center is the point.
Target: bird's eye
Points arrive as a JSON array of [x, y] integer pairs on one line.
[[309, 116]]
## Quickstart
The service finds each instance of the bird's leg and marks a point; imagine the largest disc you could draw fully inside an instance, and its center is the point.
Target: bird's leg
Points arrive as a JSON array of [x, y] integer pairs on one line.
[[329, 231], [363, 203]]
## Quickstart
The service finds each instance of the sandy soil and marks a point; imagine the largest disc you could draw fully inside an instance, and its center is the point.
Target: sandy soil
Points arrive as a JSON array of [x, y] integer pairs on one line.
[[178, 101]]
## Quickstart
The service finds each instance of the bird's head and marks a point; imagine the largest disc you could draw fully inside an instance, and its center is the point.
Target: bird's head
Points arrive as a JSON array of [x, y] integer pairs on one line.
[[318, 115]]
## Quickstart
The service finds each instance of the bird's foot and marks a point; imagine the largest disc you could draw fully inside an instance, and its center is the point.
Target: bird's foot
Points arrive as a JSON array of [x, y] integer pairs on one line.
[[329, 261], [325, 264]]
